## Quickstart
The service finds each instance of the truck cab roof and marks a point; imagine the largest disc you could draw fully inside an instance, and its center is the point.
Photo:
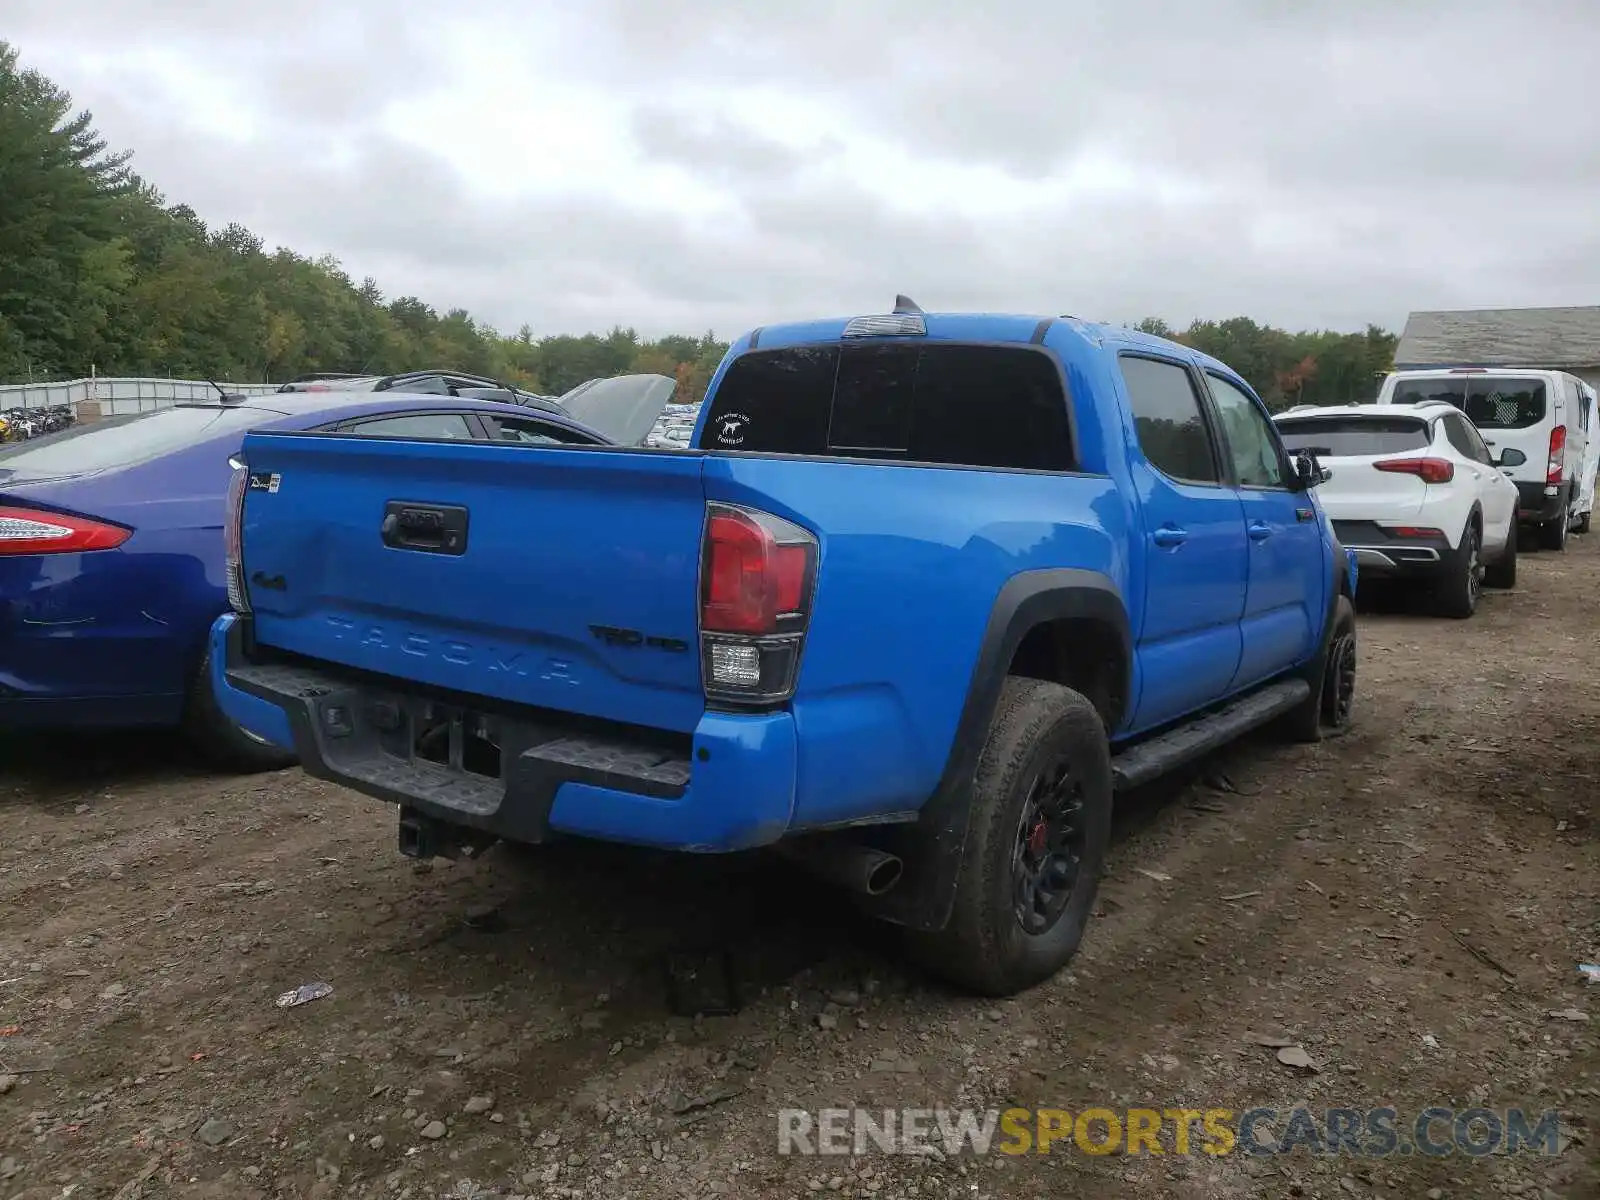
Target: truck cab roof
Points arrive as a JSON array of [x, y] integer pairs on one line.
[[974, 327]]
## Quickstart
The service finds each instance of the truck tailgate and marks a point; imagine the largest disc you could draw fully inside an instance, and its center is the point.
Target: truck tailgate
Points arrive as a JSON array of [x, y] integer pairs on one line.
[[562, 577]]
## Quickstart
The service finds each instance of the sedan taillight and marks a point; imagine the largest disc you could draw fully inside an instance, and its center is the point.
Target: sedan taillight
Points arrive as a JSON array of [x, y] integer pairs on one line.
[[34, 531]]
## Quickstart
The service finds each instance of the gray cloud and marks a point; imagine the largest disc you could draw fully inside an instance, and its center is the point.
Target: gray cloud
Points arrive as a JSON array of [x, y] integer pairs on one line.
[[713, 146], [1312, 164]]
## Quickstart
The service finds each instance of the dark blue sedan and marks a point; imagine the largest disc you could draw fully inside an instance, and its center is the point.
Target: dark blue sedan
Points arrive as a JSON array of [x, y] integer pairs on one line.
[[112, 556]]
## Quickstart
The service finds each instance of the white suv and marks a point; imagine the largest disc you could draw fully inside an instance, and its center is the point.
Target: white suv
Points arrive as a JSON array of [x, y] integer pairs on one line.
[[1416, 494], [1541, 413]]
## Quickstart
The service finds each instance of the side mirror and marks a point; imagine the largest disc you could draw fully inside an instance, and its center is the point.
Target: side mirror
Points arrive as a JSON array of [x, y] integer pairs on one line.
[[1511, 457], [1308, 472]]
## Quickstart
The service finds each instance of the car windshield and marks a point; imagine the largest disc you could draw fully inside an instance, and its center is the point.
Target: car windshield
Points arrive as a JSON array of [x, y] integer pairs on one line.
[[123, 441], [1352, 437], [1490, 401]]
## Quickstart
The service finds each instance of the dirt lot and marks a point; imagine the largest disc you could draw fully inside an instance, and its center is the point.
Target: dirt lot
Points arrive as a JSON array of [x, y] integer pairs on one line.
[[1408, 905]]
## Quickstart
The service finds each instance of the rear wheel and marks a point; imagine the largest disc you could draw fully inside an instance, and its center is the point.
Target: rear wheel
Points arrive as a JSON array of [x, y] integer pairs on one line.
[[1503, 574], [1553, 534], [1458, 592], [1037, 832], [221, 740]]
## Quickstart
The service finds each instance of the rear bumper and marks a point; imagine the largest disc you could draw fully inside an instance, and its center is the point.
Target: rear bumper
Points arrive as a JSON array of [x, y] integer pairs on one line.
[[100, 712], [728, 786], [1534, 506], [1381, 555]]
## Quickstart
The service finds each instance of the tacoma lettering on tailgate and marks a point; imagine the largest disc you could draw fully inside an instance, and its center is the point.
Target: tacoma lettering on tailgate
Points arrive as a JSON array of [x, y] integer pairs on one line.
[[420, 645]]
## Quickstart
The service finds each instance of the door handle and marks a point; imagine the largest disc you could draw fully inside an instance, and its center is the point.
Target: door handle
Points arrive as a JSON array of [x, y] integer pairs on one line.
[[1259, 530], [430, 528], [1169, 537]]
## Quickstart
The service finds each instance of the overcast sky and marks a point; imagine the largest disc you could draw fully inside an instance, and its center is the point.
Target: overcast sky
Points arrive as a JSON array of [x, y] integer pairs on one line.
[[679, 165]]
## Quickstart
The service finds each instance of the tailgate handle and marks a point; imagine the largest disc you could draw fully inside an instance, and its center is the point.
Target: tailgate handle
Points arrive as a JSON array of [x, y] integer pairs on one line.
[[429, 528]]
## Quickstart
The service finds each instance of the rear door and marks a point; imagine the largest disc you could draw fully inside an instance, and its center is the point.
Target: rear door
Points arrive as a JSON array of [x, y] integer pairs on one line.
[[1287, 588], [1591, 451], [1496, 494], [1579, 433], [1193, 545]]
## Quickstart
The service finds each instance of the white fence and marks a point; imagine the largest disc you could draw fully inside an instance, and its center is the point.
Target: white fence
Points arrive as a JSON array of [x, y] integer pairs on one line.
[[120, 396]]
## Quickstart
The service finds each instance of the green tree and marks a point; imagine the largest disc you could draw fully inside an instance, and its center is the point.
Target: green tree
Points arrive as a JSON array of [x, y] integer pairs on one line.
[[62, 263]]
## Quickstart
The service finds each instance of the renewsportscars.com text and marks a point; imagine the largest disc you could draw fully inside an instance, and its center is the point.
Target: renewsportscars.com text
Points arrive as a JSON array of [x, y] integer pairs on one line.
[[1365, 1133]]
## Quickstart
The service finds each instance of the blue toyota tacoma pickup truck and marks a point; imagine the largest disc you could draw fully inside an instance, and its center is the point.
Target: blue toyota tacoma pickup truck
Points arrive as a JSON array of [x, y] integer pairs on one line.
[[926, 593]]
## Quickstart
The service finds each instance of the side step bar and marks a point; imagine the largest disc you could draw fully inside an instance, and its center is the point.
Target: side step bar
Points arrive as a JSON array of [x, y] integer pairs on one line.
[[1141, 763]]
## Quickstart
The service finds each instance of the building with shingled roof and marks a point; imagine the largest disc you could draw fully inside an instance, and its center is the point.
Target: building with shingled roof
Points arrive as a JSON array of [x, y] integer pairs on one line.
[[1560, 339]]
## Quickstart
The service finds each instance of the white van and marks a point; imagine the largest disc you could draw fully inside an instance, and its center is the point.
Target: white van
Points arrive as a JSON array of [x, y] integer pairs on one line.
[[1540, 414]]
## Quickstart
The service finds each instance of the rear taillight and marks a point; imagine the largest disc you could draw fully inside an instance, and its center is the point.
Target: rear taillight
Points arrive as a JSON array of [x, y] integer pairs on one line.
[[233, 540], [1556, 467], [1417, 532], [1429, 470], [757, 573], [34, 531]]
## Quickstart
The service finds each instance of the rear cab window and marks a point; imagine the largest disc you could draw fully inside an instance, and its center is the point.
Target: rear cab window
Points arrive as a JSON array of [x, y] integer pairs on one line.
[[1169, 421], [115, 442], [953, 404], [1353, 437], [1490, 401]]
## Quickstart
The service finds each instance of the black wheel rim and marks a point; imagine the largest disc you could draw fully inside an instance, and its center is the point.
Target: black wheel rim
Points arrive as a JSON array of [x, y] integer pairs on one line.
[[1340, 693], [1048, 855]]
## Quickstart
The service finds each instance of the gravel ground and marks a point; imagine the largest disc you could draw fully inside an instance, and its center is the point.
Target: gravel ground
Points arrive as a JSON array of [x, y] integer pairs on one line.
[[1407, 905]]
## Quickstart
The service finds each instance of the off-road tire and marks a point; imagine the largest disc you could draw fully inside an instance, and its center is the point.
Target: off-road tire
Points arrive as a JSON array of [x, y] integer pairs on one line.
[[1459, 590], [1328, 710], [1503, 574], [1037, 727], [221, 741]]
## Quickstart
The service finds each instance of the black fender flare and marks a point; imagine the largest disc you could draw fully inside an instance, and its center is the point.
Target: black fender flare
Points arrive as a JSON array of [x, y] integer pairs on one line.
[[932, 846]]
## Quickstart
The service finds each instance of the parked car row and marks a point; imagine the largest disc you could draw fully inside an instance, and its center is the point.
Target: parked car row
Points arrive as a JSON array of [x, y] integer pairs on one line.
[[893, 602], [112, 547], [675, 429], [1436, 485], [20, 424]]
